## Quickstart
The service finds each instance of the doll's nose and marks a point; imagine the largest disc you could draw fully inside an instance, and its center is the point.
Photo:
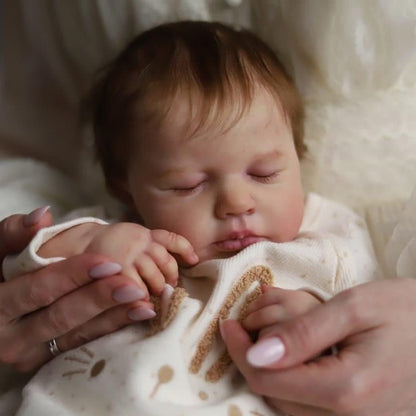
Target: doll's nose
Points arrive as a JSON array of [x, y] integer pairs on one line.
[[234, 200]]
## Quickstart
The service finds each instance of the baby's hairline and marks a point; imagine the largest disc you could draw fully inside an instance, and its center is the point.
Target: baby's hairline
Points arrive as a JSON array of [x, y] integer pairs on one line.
[[199, 126]]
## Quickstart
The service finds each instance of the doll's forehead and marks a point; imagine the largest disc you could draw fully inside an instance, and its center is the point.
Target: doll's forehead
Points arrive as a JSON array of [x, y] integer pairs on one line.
[[189, 117]]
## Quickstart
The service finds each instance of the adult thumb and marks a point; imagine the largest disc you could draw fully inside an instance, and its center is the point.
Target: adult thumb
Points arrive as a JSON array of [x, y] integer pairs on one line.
[[305, 336], [17, 230]]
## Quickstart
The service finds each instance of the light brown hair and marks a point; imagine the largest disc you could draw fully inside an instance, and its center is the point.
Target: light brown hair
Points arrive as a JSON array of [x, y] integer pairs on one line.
[[219, 66]]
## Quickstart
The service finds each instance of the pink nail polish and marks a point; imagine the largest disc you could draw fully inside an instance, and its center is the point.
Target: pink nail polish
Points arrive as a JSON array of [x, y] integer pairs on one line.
[[127, 294], [265, 352], [141, 314], [34, 217], [104, 270]]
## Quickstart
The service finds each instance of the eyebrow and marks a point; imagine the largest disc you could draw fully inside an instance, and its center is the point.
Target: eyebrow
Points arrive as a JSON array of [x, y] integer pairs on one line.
[[261, 157], [171, 172]]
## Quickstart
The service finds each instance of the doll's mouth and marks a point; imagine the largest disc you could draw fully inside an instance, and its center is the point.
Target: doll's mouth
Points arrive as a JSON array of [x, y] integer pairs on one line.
[[236, 242]]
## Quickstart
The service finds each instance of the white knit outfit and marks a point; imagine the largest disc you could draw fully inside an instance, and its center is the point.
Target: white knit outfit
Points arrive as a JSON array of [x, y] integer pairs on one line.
[[178, 365]]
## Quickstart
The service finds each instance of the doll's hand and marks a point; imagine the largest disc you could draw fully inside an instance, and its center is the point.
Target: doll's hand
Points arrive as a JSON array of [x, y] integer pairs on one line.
[[277, 305], [145, 255]]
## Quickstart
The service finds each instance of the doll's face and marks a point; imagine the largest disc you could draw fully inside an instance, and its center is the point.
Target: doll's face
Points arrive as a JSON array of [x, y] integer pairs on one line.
[[222, 190]]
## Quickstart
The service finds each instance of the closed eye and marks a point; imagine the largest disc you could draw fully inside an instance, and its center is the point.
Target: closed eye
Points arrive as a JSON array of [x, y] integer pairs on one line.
[[265, 178], [188, 189]]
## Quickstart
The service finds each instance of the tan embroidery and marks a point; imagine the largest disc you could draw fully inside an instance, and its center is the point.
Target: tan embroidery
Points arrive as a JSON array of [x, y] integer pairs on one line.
[[76, 359], [176, 299], [261, 274], [71, 373], [203, 395], [95, 370], [87, 351], [164, 375], [217, 370], [234, 410]]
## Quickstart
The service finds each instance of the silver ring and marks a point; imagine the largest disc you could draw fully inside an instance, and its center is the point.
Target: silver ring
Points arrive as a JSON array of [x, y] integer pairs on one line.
[[53, 347]]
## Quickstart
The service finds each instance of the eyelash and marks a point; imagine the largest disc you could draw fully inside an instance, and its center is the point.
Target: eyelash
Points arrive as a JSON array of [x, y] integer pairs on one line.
[[260, 178], [187, 191], [266, 178]]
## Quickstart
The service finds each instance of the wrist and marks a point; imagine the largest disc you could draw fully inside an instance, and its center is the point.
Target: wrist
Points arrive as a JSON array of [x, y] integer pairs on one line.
[[69, 242]]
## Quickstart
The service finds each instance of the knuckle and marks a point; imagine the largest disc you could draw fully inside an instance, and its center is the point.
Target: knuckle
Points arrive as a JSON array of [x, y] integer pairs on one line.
[[7, 233], [37, 294], [301, 334], [76, 339], [172, 237], [170, 265], [58, 322], [350, 396], [353, 307]]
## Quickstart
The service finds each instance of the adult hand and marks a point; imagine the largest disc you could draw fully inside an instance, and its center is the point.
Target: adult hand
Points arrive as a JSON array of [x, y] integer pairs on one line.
[[73, 301], [373, 373]]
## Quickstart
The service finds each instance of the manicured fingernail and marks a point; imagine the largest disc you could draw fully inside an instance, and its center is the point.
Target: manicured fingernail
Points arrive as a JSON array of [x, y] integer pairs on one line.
[[267, 351], [127, 294], [104, 270], [141, 314], [34, 217]]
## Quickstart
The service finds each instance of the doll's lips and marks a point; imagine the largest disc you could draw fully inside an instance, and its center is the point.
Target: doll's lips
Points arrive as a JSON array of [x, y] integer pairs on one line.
[[238, 241]]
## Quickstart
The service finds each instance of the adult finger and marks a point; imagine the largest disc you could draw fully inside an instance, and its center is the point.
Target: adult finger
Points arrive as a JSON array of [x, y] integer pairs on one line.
[[17, 230], [103, 324], [61, 316], [304, 336], [238, 342], [39, 289], [296, 409], [177, 244], [306, 384]]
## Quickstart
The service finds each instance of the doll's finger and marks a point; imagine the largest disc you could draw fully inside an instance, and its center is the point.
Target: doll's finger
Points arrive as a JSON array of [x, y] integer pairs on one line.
[[165, 262], [151, 275], [265, 316], [133, 273], [271, 296], [177, 244]]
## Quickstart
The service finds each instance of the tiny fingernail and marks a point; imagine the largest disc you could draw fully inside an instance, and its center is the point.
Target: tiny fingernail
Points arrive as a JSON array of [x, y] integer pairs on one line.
[[141, 314], [168, 290], [127, 294], [220, 324], [104, 270], [267, 351], [34, 217]]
